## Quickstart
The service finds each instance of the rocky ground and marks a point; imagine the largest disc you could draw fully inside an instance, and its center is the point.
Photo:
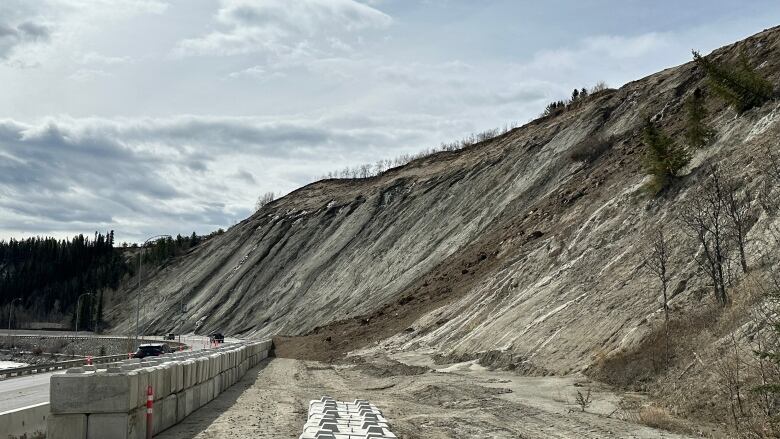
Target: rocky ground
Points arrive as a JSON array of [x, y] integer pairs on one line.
[[453, 401]]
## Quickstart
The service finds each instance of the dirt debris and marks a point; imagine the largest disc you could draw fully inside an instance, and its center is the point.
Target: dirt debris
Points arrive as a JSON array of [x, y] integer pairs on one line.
[[465, 402]]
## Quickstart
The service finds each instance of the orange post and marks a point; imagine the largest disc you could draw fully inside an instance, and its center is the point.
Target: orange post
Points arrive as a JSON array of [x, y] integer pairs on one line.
[[149, 402]]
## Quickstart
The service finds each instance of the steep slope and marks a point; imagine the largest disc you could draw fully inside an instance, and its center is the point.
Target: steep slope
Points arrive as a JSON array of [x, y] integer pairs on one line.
[[508, 248]]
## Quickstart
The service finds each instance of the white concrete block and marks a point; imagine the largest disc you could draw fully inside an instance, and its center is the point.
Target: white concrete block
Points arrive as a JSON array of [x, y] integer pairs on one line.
[[113, 425], [169, 414], [99, 392], [73, 426]]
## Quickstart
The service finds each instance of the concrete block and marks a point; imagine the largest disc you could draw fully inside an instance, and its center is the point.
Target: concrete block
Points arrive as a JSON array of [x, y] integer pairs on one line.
[[189, 401], [168, 380], [181, 406], [218, 384], [170, 407], [179, 377], [203, 388], [187, 375], [73, 426], [101, 392], [196, 402], [210, 387], [113, 425], [157, 381], [143, 383], [140, 422], [158, 412]]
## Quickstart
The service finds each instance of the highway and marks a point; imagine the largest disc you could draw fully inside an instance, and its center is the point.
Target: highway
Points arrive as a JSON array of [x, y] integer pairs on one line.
[[29, 390]]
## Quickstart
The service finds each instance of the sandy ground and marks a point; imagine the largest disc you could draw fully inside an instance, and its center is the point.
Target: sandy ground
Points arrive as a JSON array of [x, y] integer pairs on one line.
[[457, 401]]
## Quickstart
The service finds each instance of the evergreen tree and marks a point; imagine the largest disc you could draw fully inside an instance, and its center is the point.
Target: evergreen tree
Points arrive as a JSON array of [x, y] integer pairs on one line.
[[575, 94], [194, 240], [664, 159], [740, 85], [697, 132]]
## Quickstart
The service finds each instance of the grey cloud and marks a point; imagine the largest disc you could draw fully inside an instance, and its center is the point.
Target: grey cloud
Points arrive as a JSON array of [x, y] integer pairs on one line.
[[146, 176], [284, 29], [14, 36]]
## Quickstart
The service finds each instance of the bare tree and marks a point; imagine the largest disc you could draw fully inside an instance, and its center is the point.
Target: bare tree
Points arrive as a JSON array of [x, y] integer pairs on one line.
[[705, 218], [738, 210], [263, 199], [657, 261]]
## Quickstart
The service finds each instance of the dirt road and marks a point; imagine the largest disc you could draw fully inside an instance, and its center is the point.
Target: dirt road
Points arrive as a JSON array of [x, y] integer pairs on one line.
[[464, 401]]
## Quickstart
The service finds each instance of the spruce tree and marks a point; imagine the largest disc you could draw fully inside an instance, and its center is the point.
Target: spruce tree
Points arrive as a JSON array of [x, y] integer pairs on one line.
[[739, 85], [664, 158], [697, 132]]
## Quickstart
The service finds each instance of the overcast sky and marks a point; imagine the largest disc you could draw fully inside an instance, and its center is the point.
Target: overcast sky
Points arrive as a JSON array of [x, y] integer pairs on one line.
[[155, 116]]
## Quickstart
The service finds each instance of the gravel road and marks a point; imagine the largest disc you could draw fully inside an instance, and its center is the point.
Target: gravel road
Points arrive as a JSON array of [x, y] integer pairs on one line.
[[462, 402]]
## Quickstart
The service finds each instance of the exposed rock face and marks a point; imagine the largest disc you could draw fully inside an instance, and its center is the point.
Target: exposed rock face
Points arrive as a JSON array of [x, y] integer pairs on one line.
[[525, 251]]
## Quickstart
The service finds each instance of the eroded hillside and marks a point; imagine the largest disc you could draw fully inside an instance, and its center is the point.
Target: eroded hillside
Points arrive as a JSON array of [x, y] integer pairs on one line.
[[509, 248]]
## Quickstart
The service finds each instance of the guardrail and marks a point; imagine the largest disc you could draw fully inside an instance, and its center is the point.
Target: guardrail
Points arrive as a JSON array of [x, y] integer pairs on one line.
[[48, 367], [41, 368]]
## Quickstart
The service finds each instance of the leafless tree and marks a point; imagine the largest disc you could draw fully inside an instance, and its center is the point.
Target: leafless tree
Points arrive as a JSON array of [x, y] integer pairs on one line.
[[738, 211], [263, 199], [705, 218], [657, 261]]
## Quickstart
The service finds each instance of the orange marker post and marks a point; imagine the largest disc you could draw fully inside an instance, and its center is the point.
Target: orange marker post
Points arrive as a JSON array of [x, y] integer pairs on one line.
[[149, 402]]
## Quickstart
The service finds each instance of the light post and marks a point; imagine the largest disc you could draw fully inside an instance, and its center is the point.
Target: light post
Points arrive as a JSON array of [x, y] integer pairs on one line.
[[78, 309], [10, 309], [138, 296]]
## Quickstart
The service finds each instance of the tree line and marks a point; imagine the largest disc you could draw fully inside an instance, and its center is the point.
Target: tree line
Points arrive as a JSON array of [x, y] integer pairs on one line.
[[45, 279]]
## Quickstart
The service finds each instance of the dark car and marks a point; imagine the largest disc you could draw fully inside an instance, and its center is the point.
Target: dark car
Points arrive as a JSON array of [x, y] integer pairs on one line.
[[170, 336], [217, 337], [151, 350]]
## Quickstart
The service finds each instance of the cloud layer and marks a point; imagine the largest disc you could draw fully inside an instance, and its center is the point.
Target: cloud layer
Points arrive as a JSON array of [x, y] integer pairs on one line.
[[168, 116]]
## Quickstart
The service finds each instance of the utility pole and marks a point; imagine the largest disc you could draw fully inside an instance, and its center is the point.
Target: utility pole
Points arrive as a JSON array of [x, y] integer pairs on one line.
[[138, 295]]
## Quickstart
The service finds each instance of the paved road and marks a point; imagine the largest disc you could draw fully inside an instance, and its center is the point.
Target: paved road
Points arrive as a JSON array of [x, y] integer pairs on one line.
[[34, 389], [24, 391]]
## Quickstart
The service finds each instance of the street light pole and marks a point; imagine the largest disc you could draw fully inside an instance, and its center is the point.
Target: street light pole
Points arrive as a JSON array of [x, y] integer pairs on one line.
[[78, 310], [138, 295]]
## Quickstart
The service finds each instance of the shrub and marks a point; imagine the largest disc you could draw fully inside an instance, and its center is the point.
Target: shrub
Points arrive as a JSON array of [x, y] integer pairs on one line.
[[739, 85], [600, 86], [697, 132], [591, 149], [664, 159]]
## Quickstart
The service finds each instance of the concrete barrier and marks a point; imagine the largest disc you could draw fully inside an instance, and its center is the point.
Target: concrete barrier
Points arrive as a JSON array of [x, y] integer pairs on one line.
[[27, 422], [108, 403], [331, 419]]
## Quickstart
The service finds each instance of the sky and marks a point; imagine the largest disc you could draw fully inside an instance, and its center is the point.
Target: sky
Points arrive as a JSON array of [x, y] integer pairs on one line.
[[173, 116]]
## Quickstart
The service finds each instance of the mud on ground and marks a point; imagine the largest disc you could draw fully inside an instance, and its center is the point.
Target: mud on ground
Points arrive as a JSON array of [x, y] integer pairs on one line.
[[457, 401]]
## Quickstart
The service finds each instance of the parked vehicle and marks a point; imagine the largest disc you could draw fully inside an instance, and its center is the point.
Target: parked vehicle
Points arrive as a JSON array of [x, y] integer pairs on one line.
[[217, 337], [170, 336], [151, 350]]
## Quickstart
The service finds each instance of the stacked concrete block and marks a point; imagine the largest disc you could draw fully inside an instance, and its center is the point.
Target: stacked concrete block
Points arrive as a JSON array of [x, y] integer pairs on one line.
[[109, 401], [331, 419]]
